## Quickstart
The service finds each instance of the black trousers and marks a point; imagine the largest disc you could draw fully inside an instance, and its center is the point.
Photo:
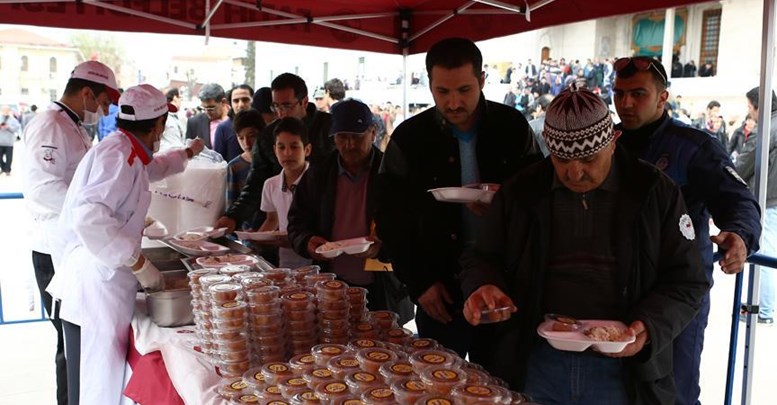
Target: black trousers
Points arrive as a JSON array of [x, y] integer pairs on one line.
[[44, 271], [6, 158], [73, 350]]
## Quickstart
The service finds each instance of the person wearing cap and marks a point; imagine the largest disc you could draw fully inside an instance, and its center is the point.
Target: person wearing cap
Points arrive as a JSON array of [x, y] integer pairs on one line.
[[590, 233], [710, 184], [289, 99], [96, 246], [55, 142], [225, 139], [464, 140], [318, 97], [336, 200]]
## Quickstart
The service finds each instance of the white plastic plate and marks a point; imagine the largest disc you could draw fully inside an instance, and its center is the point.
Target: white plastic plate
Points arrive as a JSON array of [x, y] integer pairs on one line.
[[200, 233], [198, 247], [156, 230], [217, 262], [347, 246], [577, 341], [457, 194], [262, 236]]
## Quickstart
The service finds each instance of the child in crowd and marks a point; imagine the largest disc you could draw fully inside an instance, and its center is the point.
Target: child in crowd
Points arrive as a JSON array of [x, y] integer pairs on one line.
[[291, 148], [248, 125]]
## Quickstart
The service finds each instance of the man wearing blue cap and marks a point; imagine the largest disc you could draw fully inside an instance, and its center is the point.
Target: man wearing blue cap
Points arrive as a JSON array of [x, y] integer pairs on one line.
[[336, 200]]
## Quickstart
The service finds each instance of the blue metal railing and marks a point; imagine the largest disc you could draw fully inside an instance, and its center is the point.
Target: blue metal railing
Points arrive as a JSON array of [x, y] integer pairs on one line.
[[43, 317]]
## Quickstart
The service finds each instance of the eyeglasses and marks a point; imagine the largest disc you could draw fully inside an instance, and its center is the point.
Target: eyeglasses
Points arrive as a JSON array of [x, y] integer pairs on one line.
[[209, 108], [275, 107], [642, 63]]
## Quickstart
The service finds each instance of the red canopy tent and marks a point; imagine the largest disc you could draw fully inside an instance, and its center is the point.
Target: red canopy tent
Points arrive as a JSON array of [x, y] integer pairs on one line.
[[389, 26]]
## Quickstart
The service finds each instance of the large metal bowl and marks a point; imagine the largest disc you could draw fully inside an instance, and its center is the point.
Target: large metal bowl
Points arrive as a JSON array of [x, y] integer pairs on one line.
[[171, 307]]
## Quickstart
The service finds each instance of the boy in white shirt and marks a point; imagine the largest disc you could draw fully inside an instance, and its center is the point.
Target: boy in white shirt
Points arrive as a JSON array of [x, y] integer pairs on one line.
[[291, 148]]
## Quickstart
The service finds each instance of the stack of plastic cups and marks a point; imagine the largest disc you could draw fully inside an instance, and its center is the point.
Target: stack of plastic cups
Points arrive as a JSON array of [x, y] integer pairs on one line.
[[333, 312], [312, 280], [267, 326], [280, 277], [301, 331], [357, 297], [384, 320], [232, 351], [202, 306], [299, 273], [235, 269]]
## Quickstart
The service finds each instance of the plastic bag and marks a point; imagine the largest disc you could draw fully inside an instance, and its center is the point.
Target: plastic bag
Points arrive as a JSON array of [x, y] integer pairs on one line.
[[193, 198]]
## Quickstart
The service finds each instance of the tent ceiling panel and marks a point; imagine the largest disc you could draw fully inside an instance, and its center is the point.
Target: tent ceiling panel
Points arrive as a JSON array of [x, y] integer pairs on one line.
[[374, 25]]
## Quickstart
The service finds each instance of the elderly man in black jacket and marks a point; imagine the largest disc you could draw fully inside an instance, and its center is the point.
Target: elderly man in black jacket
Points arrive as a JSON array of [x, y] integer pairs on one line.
[[592, 233], [464, 140], [336, 200]]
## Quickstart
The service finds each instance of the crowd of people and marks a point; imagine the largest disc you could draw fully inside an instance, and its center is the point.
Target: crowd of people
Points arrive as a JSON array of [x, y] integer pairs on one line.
[[592, 219]]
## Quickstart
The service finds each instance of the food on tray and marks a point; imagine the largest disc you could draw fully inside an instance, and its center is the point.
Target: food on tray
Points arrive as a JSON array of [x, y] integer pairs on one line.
[[326, 247], [607, 334], [563, 323], [227, 258]]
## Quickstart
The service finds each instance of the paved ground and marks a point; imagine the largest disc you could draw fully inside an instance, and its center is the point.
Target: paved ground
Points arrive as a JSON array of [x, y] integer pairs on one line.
[[27, 371]]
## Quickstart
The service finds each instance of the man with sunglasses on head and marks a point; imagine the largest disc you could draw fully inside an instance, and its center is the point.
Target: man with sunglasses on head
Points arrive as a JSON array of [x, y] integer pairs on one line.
[[289, 99], [710, 186]]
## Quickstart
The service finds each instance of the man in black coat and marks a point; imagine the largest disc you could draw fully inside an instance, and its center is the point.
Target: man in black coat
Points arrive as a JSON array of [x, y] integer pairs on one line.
[[464, 140], [290, 99], [590, 233]]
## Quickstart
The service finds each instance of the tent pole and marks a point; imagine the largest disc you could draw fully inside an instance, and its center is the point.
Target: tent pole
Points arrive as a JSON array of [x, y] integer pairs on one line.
[[761, 178], [668, 47], [405, 81]]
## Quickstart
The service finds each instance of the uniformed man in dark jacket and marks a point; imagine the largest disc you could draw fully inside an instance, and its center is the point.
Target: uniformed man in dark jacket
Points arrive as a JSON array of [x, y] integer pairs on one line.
[[464, 140], [595, 234], [710, 185], [289, 99]]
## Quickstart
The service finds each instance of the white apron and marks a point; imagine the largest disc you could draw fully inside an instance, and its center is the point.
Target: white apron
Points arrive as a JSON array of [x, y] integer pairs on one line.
[[101, 300]]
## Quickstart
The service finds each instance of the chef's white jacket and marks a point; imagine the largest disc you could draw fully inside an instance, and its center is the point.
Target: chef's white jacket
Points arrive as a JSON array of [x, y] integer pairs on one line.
[[54, 145]]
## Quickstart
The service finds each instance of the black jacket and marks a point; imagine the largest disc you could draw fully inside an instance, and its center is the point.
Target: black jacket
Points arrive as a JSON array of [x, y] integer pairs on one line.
[[265, 165], [199, 127], [662, 280], [312, 210], [420, 233]]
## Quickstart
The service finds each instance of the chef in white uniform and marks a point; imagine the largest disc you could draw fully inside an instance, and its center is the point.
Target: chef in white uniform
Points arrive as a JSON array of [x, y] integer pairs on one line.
[[55, 142], [97, 247]]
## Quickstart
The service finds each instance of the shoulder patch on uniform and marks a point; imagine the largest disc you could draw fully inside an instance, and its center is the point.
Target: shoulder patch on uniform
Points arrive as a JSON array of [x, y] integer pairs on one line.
[[686, 227], [735, 175]]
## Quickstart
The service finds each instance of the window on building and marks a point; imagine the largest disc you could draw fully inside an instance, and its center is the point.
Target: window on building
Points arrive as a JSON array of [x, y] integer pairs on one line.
[[53, 95], [25, 91], [175, 69], [710, 36], [53, 65], [25, 65]]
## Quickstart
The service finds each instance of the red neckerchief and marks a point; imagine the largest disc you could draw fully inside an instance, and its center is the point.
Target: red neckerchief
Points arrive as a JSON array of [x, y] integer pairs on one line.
[[137, 149]]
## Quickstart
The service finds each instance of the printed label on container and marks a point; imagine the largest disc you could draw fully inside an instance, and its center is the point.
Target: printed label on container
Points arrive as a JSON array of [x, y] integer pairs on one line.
[[335, 387], [381, 393], [478, 390]]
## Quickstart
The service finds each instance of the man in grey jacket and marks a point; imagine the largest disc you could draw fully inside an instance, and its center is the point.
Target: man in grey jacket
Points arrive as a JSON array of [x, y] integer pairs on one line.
[[9, 130], [746, 168]]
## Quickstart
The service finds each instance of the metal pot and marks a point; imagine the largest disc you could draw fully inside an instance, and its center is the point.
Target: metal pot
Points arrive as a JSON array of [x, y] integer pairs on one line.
[[170, 308]]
